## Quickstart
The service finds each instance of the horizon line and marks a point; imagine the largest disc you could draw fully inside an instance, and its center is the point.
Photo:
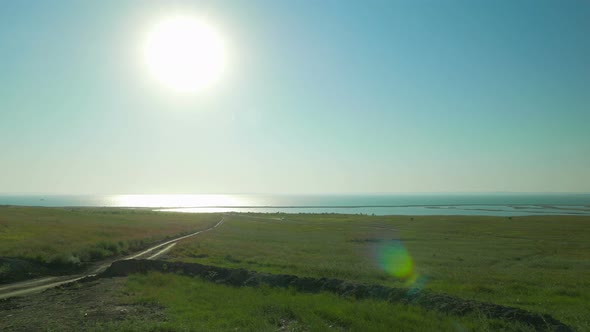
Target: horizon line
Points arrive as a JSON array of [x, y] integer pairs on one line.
[[299, 193]]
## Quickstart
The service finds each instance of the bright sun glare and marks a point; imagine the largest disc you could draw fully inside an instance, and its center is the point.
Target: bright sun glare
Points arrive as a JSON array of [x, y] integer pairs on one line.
[[184, 53]]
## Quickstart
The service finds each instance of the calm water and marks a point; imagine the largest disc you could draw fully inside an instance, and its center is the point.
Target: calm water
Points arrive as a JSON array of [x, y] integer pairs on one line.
[[383, 204]]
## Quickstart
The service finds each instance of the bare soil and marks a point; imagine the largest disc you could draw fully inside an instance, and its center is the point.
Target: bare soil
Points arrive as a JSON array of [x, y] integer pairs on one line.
[[77, 306]]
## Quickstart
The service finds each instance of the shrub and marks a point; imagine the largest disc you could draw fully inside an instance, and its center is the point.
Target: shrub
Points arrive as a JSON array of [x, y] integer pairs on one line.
[[64, 259], [4, 269]]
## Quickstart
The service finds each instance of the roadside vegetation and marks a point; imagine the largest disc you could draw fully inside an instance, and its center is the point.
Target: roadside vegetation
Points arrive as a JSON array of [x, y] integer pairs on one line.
[[49, 239]]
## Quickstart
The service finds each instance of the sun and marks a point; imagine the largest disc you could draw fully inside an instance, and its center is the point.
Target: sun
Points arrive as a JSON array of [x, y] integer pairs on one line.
[[185, 54]]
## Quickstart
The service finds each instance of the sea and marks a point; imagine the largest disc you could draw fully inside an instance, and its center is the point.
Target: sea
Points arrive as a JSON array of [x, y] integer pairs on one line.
[[496, 204]]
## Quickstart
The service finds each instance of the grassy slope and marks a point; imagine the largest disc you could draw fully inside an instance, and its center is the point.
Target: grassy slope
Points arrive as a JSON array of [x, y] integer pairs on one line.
[[539, 263], [196, 305], [59, 235]]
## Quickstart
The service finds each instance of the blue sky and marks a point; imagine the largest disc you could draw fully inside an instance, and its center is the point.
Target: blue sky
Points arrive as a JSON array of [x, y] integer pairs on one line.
[[318, 97]]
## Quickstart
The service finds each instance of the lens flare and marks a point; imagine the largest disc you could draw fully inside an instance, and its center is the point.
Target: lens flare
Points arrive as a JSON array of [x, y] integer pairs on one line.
[[395, 260]]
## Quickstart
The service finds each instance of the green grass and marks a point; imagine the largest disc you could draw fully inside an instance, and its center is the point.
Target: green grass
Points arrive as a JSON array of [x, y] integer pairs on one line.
[[196, 305], [539, 263], [71, 236]]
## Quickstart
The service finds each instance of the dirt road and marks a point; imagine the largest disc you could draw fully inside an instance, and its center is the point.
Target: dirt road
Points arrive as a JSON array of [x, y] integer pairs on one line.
[[41, 284]]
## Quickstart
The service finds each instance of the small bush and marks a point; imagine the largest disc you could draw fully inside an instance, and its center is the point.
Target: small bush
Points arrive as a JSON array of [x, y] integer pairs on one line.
[[65, 259], [4, 269]]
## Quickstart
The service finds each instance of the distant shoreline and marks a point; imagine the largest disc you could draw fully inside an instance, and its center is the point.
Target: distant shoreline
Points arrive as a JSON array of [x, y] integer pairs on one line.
[[380, 204]]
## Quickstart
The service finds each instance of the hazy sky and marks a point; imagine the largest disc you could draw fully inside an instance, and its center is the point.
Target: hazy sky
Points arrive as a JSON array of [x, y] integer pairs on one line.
[[318, 96]]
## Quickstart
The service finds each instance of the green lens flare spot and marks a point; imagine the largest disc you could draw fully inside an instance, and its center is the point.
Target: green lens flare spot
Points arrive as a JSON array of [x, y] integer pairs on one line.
[[395, 260]]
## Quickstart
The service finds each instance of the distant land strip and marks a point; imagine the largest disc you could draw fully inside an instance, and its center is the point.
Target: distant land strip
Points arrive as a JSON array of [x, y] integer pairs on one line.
[[547, 206]]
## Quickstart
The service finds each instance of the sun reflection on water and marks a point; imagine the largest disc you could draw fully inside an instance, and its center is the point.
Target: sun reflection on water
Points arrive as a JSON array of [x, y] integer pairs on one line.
[[177, 201]]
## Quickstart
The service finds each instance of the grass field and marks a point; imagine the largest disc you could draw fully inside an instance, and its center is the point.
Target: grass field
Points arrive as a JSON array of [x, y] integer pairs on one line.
[[539, 263], [196, 305], [71, 236]]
